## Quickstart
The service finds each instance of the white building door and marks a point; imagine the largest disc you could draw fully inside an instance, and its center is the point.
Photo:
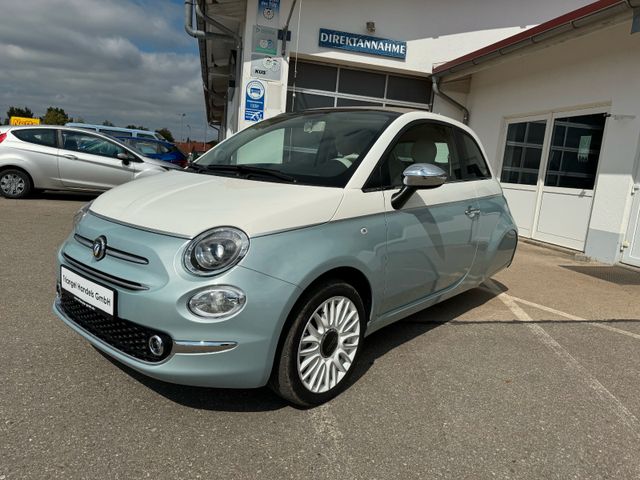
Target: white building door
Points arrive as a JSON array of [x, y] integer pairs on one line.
[[549, 173], [631, 254]]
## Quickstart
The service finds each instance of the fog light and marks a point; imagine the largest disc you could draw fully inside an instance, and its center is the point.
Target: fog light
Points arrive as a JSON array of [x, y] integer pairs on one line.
[[217, 302], [156, 345]]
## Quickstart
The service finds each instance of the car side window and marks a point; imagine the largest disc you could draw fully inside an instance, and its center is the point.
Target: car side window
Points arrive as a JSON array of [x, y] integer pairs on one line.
[[474, 165], [39, 136], [431, 143], [87, 143]]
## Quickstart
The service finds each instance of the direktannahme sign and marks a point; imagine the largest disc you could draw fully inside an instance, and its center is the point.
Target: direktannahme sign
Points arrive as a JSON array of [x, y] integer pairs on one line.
[[362, 43]]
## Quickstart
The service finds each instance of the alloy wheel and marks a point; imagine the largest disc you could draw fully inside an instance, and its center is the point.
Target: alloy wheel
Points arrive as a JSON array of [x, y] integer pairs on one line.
[[329, 344]]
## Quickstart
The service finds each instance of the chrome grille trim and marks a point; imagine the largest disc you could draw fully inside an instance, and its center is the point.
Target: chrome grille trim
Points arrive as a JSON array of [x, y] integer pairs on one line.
[[113, 252], [120, 282]]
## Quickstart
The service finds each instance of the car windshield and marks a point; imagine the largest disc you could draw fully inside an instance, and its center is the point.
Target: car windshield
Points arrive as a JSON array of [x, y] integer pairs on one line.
[[313, 148]]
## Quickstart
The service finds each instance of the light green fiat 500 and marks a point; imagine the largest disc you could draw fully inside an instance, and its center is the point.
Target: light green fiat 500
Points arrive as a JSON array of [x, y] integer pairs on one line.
[[272, 257]]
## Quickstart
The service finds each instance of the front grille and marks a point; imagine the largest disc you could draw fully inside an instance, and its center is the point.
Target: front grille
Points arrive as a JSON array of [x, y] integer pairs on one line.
[[123, 335], [120, 282], [113, 252]]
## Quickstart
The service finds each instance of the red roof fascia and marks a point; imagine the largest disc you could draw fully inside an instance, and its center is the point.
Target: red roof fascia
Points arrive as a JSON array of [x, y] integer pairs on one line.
[[531, 32]]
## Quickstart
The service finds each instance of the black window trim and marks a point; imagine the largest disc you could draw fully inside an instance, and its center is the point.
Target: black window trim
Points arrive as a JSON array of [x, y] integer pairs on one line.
[[459, 139]]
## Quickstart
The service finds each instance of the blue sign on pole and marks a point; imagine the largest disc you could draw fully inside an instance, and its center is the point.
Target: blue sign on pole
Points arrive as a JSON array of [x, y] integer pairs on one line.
[[362, 43], [254, 101]]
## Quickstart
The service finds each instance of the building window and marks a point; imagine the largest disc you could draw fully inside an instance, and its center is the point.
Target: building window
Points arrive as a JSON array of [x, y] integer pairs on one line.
[[523, 152], [315, 85], [574, 151]]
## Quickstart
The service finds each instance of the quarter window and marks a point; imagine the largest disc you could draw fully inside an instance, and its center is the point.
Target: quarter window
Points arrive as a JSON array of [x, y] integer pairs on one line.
[[39, 136], [474, 164]]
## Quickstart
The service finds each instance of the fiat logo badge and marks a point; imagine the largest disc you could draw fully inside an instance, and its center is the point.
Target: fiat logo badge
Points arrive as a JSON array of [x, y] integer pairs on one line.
[[99, 247]]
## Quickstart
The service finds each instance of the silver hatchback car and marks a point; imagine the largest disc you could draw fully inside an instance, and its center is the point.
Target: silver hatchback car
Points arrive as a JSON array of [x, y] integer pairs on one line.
[[62, 158]]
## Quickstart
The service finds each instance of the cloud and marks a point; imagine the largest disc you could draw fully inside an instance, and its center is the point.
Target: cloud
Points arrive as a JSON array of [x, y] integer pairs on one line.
[[124, 61]]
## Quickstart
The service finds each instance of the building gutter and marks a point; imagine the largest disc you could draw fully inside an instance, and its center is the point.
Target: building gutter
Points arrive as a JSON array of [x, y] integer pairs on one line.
[[455, 103], [557, 27]]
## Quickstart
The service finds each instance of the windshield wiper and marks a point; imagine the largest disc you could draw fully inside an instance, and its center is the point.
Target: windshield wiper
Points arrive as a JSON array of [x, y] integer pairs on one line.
[[246, 169]]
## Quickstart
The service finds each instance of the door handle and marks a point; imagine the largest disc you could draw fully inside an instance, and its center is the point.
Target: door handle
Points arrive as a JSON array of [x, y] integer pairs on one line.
[[472, 212], [69, 156]]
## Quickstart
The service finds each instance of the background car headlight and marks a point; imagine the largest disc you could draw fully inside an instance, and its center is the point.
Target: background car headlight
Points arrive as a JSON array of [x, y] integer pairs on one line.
[[215, 251], [217, 302], [80, 214]]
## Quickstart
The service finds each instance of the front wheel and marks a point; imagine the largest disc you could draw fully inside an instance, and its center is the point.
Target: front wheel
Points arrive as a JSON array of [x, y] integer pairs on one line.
[[322, 345], [14, 184]]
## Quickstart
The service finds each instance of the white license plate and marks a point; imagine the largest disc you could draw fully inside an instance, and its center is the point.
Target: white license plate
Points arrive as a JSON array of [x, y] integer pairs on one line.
[[88, 292]]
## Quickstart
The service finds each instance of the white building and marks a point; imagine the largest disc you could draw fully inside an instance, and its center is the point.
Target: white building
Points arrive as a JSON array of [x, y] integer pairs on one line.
[[558, 110], [344, 53]]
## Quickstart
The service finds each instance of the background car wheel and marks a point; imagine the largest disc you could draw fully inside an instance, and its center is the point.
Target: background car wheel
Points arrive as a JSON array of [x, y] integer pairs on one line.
[[14, 184], [322, 345]]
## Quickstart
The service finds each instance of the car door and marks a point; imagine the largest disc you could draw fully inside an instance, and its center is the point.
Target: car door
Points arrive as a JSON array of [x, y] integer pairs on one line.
[[431, 240], [88, 161]]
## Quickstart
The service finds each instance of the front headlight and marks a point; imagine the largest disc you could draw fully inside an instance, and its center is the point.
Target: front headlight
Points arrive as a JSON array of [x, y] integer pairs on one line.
[[80, 214], [215, 250]]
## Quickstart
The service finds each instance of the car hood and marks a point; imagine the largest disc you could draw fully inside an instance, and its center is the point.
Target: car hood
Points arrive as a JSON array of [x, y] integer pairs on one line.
[[186, 204]]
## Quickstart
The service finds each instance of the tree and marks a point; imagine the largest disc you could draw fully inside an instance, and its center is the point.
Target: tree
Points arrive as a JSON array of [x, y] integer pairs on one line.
[[166, 133], [18, 112], [55, 116], [107, 123], [139, 127]]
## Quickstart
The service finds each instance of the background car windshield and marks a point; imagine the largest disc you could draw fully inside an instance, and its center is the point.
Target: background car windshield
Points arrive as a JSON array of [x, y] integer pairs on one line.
[[314, 148]]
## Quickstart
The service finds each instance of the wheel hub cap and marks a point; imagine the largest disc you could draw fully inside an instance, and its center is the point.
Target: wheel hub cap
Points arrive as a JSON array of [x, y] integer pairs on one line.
[[329, 344], [12, 184]]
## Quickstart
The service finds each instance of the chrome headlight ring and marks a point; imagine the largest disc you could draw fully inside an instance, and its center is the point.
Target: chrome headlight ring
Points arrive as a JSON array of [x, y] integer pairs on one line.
[[215, 251]]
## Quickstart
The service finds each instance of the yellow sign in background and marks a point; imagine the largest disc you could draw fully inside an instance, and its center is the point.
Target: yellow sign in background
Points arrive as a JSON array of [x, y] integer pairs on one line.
[[24, 121]]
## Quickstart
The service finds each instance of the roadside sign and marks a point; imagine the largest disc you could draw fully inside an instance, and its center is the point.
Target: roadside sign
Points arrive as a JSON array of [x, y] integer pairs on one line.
[[24, 121], [254, 101], [264, 40], [269, 12]]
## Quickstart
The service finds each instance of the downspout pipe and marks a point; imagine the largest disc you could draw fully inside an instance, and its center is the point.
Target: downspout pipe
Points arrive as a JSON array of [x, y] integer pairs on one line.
[[188, 25], [458, 105]]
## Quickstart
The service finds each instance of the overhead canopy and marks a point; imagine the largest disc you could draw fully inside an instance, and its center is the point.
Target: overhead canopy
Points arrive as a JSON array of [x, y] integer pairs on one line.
[[218, 56]]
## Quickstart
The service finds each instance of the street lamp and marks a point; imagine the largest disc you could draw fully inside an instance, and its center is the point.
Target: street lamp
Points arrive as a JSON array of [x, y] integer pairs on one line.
[[189, 137], [182, 115]]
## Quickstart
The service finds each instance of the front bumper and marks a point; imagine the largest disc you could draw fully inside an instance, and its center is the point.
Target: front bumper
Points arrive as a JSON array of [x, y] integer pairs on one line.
[[237, 352]]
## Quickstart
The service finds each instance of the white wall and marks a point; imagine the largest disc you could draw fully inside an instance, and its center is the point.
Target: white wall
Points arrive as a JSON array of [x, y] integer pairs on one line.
[[600, 68], [435, 31]]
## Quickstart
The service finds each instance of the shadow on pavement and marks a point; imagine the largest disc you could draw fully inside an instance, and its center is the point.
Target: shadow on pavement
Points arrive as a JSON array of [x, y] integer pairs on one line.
[[609, 273], [63, 196], [376, 345]]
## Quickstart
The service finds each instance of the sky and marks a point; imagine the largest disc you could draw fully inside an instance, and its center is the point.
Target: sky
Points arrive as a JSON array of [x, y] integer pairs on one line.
[[126, 61]]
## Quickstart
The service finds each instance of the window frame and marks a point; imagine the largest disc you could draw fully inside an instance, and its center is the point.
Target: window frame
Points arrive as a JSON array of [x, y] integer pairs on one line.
[[336, 94]]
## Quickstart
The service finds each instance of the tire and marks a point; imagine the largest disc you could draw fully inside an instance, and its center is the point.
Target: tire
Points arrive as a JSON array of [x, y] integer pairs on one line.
[[312, 372], [14, 183]]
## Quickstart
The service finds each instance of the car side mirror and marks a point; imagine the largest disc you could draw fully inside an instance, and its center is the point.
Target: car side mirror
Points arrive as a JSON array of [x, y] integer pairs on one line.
[[127, 157], [418, 176]]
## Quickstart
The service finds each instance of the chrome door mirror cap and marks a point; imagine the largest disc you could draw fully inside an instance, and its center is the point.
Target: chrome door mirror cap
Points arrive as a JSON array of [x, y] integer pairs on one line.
[[424, 175]]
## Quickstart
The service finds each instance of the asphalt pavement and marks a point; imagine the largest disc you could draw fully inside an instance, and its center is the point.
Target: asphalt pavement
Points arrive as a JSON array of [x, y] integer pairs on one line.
[[533, 375]]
